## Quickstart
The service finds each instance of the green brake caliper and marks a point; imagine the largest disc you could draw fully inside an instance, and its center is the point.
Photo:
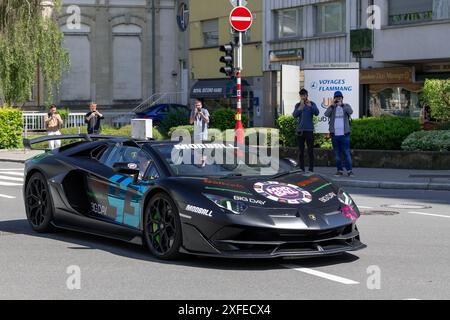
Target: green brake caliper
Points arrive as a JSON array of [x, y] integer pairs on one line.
[[156, 217]]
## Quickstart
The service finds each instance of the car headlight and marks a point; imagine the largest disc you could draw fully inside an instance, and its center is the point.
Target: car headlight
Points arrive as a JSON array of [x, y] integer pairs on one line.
[[229, 205], [345, 198]]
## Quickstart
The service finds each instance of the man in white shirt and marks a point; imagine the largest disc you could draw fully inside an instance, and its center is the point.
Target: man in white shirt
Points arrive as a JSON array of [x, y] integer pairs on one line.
[[200, 120], [339, 114]]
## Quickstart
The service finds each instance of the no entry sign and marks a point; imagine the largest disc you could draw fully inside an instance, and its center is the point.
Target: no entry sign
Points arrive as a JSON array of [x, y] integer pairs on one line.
[[241, 19]]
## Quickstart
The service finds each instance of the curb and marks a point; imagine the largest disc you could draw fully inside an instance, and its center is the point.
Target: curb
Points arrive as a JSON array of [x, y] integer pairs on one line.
[[393, 185]]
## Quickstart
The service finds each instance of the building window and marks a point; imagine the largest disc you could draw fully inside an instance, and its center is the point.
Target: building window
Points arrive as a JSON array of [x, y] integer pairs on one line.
[[396, 100], [410, 11], [289, 23], [210, 29], [330, 17]]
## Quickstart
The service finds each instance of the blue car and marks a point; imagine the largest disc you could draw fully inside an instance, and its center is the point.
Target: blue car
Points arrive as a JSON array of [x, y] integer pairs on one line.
[[158, 112]]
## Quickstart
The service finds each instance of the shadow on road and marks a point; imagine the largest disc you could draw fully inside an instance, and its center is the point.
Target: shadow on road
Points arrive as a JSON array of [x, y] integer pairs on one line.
[[80, 241]]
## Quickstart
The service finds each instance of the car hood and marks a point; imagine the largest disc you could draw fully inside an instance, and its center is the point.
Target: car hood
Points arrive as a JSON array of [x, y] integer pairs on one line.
[[295, 190]]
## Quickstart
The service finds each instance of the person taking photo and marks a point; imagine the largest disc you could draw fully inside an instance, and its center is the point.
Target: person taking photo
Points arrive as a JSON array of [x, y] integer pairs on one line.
[[304, 112]]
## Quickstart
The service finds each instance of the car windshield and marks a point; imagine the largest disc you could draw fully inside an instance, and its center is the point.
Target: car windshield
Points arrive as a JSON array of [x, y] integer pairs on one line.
[[219, 160]]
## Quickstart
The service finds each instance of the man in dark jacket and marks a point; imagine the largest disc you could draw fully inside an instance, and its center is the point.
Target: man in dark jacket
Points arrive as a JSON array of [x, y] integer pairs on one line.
[[339, 114], [305, 111]]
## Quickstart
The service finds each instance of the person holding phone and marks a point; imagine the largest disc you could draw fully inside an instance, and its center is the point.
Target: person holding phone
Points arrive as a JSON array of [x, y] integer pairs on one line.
[[305, 111], [200, 119], [339, 114], [93, 120], [53, 124]]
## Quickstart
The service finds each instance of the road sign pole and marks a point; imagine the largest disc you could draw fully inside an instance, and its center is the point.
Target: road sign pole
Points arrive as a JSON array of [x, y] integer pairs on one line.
[[239, 126]]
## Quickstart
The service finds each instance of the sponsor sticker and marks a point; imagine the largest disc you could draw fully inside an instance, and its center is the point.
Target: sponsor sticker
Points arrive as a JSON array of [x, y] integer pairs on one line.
[[201, 211], [223, 184], [307, 182], [328, 197], [132, 166], [250, 200], [282, 192]]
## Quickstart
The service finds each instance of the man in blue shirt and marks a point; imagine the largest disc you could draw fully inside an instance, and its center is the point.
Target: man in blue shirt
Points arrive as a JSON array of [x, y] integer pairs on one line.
[[305, 111]]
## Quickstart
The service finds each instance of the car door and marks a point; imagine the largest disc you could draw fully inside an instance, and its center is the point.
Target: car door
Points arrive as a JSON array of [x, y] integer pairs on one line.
[[117, 197]]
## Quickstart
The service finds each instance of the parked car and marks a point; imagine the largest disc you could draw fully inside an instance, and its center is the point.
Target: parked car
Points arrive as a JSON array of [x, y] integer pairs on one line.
[[158, 112]]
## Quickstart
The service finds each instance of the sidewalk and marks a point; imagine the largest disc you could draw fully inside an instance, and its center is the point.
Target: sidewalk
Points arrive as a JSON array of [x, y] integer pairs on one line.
[[364, 177], [18, 156], [392, 179]]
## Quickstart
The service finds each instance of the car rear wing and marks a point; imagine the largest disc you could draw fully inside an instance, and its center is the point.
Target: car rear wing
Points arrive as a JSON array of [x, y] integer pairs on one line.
[[28, 143]]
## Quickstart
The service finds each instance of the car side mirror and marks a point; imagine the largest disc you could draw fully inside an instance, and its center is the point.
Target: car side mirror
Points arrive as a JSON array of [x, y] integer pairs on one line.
[[128, 168]]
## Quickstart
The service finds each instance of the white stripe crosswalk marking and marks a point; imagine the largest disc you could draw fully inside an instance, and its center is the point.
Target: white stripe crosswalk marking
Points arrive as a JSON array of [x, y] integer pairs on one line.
[[11, 170], [6, 196], [10, 184], [322, 275], [2, 177], [12, 173]]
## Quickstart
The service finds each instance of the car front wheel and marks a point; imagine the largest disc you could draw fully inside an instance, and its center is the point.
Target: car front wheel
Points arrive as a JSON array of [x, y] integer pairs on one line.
[[162, 227]]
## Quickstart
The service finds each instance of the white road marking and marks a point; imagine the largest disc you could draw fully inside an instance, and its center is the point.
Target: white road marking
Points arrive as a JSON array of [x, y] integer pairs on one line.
[[321, 274], [430, 214], [362, 207], [2, 177], [6, 196], [12, 173], [12, 170], [10, 184]]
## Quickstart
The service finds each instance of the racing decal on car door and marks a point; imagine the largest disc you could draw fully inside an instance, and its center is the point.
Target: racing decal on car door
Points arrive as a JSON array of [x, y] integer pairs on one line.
[[127, 204]]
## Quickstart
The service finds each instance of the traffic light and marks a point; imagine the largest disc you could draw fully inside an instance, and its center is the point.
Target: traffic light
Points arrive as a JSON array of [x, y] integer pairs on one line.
[[228, 59]]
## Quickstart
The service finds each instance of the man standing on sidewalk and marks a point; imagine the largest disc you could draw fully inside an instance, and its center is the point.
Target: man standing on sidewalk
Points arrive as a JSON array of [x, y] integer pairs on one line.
[[93, 120], [305, 111], [53, 124], [340, 114]]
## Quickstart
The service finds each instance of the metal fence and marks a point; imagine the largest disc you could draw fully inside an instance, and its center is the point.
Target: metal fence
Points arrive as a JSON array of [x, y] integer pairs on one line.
[[34, 121]]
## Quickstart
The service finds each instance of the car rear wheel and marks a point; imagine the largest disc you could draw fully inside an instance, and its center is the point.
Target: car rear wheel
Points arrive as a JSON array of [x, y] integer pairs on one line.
[[38, 203], [162, 227]]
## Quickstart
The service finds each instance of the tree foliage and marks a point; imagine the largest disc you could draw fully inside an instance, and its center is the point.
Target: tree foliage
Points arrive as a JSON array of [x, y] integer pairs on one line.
[[436, 93], [29, 41]]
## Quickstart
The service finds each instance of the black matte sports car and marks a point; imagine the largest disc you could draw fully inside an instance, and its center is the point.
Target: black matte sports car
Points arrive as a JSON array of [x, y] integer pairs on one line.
[[163, 195]]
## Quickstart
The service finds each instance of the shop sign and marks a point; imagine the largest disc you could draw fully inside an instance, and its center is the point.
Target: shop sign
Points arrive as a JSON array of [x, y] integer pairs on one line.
[[386, 75]]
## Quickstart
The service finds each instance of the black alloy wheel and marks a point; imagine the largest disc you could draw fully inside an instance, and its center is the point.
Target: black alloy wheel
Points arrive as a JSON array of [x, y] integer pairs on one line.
[[38, 203], [162, 227]]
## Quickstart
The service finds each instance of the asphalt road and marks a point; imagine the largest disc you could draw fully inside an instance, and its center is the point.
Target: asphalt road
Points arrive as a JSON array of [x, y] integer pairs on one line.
[[407, 257]]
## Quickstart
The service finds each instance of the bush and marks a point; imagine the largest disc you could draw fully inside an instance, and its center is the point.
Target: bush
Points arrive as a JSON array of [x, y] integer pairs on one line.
[[174, 119], [288, 131], [11, 126], [436, 93], [384, 133], [225, 118], [428, 141], [322, 141]]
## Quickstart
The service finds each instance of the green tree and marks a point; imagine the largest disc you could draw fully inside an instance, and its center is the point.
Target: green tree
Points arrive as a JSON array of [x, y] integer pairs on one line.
[[29, 41], [436, 93]]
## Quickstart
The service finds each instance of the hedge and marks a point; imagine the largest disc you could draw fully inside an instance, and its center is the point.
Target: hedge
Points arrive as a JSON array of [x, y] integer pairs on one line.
[[383, 133], [11, 127], [225, 118], [174, 119], [428, 141]]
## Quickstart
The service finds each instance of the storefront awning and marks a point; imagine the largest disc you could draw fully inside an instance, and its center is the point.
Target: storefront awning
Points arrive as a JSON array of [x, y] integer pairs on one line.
[[217, 89]]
